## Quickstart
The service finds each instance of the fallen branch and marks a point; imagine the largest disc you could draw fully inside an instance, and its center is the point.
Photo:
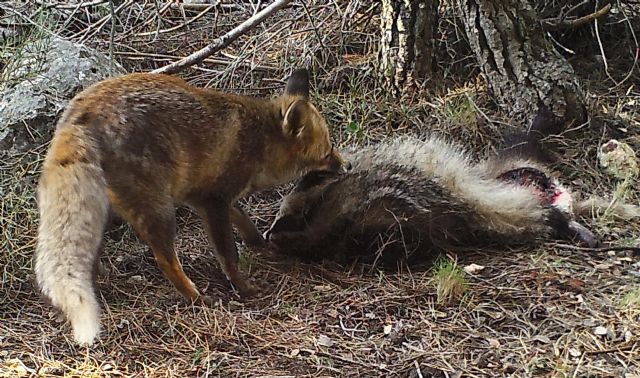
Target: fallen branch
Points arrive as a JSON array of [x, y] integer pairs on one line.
[[82, 4], [635, 250], [550, 24], [224, 41]]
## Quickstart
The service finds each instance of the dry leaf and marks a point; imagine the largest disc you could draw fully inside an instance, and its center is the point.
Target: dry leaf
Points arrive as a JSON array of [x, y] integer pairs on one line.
[[543, 339], [324, 340], [473, 268], [322, 288]]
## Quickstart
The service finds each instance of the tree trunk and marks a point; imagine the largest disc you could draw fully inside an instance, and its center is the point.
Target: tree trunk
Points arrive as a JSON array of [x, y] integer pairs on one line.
[[407, 49], [523, 69]]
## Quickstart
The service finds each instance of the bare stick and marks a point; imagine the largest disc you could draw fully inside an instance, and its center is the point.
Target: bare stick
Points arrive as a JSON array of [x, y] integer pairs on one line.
[[635, 250], [550, 25], [111, 35], [224, 41]]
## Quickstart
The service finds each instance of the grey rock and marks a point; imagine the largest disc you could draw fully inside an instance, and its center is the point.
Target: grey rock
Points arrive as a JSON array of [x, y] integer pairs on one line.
[[37, 85]]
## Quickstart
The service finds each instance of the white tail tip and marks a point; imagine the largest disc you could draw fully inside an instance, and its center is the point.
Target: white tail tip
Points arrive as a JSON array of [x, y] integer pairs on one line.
[[85, 322]]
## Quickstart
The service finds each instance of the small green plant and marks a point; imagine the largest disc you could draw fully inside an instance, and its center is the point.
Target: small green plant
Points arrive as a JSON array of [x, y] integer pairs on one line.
[[198, 354], [631, 300], [287, 308], [460, 109], [246, 260], [354, 129], [450, 281]]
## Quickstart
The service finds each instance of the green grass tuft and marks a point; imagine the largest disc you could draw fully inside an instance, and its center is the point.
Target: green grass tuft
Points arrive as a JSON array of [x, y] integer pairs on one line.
[[450, 281], [631, 300]]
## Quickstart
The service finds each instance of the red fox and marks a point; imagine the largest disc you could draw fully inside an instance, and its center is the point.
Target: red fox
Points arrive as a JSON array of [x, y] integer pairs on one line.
[[140, 144], [406, 196]]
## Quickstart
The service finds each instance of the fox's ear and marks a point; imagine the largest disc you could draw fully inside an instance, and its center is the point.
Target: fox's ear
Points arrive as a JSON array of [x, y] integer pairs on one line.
[[298, 83], [294, 117]]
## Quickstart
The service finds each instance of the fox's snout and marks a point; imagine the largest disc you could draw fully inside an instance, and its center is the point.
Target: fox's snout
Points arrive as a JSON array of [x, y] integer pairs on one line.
[[337, 163]]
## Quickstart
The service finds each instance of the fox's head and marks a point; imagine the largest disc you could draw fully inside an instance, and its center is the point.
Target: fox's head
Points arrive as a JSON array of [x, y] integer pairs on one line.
[[305, 129]]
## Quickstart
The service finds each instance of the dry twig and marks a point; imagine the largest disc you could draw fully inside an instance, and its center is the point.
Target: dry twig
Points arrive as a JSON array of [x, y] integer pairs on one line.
[[224, 41], [551, 24]]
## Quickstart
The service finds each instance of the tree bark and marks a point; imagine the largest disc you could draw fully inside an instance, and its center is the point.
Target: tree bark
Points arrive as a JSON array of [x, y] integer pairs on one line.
[[408, 45], [523, 69]]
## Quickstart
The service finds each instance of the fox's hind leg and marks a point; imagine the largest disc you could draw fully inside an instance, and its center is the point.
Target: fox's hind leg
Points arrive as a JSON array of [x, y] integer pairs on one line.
[[155, 223], [217, 216]]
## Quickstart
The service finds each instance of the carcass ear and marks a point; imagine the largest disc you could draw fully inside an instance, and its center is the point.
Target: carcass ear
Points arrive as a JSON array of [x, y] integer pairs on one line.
[[288, 223], [298, 83]]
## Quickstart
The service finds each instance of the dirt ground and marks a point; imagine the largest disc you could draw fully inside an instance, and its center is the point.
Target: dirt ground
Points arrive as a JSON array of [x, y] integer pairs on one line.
[[552, 311]]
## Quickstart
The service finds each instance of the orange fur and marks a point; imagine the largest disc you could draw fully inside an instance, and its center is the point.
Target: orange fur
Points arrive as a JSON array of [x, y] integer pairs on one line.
[[143, 143]]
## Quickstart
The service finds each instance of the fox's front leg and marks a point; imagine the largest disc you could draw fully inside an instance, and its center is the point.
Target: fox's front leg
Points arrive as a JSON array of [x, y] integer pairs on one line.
[[247, 229], [217, 218]]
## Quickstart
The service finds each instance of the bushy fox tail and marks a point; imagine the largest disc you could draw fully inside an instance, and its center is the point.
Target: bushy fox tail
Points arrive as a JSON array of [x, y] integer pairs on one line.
[[73, 207]]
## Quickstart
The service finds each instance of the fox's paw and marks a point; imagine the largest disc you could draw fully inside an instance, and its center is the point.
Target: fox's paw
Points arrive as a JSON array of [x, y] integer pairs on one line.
[[248, 291], [266, 252], [206, 300], [252, 290]]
